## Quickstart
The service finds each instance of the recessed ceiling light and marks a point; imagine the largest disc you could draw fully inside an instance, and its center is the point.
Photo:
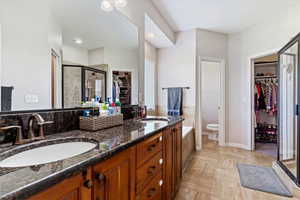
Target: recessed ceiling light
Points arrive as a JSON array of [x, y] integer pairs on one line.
[[107, 6], [150, 35], [78, 41], [120, 3]]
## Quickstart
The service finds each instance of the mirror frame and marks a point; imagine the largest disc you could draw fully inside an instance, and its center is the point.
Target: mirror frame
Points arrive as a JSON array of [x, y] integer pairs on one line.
[[83, 70]]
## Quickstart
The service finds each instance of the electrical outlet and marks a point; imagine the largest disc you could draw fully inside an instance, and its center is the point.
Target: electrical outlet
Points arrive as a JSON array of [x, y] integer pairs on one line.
[[31, 98]]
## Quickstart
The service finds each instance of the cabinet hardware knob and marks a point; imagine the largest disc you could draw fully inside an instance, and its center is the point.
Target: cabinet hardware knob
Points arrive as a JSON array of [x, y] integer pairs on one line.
[[160, 138], [161, 182], [152, 170], [88, 184], [161, 161], [151, 147], [99, 177], [151, 192]]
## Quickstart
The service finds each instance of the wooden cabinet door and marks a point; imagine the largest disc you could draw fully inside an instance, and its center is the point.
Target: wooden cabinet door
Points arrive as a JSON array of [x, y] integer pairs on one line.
[[168, 167], [78, 187], [114, 179], [178, 155]]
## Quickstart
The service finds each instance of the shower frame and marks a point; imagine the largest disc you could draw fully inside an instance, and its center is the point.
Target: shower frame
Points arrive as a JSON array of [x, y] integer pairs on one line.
[[296, 178]]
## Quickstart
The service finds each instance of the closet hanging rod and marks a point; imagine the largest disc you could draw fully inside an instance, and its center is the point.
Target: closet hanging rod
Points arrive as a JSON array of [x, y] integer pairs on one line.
[[265, 77], [177, 87]]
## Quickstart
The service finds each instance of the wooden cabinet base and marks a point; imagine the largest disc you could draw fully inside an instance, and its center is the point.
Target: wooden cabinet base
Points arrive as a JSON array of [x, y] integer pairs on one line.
[[114, 179], [151, 170], [78, 187]]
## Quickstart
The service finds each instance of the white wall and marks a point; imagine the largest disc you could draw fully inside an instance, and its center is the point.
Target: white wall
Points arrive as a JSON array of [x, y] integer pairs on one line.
[[27, 41], [150, 76], [96, 56], [75, 55], [135, 11], [178, 65], [257, 41], [210, 92], [177, 68]]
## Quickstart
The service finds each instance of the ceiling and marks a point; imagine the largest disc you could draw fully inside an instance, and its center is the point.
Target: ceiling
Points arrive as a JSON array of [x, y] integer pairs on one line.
[[154, 35], [225, 16], [96, 28]]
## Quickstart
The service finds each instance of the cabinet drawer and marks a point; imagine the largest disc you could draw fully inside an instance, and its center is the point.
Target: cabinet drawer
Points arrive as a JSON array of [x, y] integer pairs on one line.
[[149, 170], [153, 191], [148, 148]]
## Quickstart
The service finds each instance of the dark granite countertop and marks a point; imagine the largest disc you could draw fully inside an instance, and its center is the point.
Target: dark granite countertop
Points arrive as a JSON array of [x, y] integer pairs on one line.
[[20, 183]]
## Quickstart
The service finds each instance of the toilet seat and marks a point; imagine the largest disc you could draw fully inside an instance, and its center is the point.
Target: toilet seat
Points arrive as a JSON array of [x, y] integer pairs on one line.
[[213, 127]]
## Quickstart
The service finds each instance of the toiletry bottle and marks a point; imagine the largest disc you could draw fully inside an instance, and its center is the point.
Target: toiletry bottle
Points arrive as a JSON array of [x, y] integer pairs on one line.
[[118, 106]]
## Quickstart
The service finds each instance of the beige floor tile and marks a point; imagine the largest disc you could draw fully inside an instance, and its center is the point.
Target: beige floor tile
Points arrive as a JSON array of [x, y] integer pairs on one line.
[[212, 175]]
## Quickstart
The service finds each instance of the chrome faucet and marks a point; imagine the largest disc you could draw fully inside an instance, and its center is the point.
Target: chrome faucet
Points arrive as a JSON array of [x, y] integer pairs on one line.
[[40, 122], [19, 138]]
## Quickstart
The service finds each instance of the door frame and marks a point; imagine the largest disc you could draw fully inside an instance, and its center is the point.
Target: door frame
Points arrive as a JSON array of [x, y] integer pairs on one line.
[[251, 136], [110, 86], [222, 109]]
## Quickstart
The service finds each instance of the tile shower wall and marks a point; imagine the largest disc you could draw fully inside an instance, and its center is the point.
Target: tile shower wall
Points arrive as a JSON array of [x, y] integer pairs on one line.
[[72, 87]]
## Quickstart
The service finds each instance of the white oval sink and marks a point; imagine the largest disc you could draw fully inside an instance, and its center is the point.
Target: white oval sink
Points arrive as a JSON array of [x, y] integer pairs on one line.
[[47, 154]]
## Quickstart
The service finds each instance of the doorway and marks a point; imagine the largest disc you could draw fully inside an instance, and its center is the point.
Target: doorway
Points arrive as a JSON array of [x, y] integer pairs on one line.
[[211, 101], [265, 105], [122, 87]]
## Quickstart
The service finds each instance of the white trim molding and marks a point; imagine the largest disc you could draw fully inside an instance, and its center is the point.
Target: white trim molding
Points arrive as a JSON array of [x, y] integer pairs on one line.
[[250, 104], [222, 109]]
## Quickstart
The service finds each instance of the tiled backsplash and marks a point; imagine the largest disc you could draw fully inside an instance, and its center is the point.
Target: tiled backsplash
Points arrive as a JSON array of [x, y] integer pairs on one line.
[[64, 120]]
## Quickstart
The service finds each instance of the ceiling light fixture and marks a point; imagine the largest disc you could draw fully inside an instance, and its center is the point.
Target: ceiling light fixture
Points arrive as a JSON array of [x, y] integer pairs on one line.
[[109, 5], [78, 41]]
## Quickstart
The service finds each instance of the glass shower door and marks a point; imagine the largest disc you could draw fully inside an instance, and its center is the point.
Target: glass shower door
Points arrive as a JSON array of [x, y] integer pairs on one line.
[[288, 112]]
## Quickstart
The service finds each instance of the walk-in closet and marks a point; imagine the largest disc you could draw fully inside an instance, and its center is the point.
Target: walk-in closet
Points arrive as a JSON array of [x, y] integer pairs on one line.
[[121, 86], [265, 105]]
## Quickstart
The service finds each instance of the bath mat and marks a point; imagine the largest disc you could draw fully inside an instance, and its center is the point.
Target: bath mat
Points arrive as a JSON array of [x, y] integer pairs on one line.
[[263, 179]]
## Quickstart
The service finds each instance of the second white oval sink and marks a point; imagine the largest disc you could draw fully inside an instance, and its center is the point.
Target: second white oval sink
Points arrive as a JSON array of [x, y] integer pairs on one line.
[[47, 154]]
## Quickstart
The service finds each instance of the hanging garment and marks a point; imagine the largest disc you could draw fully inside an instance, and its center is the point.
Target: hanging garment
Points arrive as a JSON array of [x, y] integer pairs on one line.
[[117, 90], [268, 96], [261, 97], [114, 92], [274, 94]]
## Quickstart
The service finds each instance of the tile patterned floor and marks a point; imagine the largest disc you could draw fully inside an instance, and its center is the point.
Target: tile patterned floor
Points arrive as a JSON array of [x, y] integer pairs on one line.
[[212, 175]]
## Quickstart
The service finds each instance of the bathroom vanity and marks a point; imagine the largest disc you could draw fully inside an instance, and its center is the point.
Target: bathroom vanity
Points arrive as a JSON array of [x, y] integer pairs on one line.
[[142, 161], [59, 77]]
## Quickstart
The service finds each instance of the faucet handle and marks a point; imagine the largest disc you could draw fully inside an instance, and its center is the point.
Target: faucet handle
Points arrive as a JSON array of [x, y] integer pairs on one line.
[[19, 139], [46, 122], [4, 128]]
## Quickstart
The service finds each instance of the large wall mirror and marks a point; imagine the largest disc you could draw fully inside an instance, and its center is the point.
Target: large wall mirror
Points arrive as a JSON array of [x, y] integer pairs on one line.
[[59, 53]]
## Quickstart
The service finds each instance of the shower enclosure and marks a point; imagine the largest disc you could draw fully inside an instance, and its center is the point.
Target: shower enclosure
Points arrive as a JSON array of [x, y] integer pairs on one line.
[[288, 109], [81, 84]]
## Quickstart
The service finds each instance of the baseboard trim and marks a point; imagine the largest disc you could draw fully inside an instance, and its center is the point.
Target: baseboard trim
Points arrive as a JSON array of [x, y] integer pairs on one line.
[[237, 145]]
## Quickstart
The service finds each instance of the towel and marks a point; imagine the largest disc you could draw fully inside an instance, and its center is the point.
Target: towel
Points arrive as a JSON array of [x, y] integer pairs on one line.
[[175, 99], [6, 98]]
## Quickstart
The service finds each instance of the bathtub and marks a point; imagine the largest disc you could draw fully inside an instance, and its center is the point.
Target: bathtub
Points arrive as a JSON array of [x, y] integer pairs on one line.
[[188, 144]]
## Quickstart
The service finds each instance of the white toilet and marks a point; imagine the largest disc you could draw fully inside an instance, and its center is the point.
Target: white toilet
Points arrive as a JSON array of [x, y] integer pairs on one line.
[[213, 131]]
